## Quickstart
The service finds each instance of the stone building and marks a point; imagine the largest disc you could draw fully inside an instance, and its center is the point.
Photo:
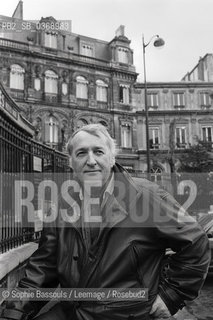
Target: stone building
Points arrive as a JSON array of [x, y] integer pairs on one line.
[[180, 114], [62, 80], [203, 71]]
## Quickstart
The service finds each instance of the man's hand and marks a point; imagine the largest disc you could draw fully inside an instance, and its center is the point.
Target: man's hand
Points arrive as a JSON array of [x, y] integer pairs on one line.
[[159, 309]]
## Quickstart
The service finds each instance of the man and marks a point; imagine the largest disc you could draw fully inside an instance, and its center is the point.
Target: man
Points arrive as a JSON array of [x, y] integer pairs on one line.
[[113, 234]]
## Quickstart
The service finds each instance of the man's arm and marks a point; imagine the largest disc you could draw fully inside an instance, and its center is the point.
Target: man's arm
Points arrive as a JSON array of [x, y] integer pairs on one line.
[[188, 266]]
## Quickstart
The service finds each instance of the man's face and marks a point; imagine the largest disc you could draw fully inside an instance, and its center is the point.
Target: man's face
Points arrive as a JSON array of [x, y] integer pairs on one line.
[[91, 157]]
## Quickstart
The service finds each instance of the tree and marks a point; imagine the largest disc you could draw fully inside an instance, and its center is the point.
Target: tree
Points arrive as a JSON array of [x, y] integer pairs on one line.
[[199, 158], [197, 167]]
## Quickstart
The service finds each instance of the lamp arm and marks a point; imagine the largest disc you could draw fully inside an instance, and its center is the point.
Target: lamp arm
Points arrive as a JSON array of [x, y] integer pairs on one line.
[[146, 44]]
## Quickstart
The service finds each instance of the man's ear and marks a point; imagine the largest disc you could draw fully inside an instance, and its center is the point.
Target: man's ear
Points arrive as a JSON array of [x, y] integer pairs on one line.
[[112, 162], [70, 161]]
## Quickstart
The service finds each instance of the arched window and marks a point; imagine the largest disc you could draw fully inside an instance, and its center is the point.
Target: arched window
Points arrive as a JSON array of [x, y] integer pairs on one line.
[[101, 91], [81, 88], [51, 82], [81, 123], [156, 173], [51, 130], [103, 123], [17, 77]]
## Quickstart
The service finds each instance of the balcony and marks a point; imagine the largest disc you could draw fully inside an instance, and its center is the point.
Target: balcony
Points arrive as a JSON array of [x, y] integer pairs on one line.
[[179, 107], [205, 107], [51, 98], [102, 105], [17, 94], [154, 146], [82, 102], [181, 145]]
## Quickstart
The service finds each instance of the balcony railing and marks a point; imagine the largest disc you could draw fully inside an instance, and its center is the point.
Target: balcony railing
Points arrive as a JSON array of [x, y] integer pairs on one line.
[[82, 102], [13, 44], [50, 98], [102, 105], [181, 145], [154, 146]]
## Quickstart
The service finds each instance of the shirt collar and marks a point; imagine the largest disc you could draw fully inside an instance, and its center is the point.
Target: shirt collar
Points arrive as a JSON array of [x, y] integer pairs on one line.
[[108, 191]]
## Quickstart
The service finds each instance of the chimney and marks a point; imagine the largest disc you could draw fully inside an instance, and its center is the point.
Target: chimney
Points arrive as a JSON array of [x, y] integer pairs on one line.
[[18, 13], [120, 31]]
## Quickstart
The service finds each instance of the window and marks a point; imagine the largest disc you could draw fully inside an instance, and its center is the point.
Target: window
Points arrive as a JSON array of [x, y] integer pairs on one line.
[[37, 84], [51, 82], [81, 88], [50, 40], [154, 138], [101, 91], [17, 77], [180, 137], [123, 55], [126, 136], [152, 100], [87, 50], [207, 134], [81, 123], [204, 99], [156, 174], [64, 88], [103, 123], [124, 94], [179, 99], [51, 130]]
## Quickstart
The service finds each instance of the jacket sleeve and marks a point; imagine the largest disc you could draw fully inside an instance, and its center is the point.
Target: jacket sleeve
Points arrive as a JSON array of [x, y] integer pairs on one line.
[[188, 266], [40, 273]]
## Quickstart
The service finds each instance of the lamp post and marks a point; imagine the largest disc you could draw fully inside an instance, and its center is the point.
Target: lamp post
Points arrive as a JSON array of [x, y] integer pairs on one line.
[[159, 42]]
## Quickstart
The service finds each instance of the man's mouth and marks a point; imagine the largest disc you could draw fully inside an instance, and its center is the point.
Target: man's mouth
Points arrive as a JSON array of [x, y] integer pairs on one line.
[[92, 171]]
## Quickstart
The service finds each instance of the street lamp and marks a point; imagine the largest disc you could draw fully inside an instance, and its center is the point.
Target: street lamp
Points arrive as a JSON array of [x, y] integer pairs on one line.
[[159, 42]]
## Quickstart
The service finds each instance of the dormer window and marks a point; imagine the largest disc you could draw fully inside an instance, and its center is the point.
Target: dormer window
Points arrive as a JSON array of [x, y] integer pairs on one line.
[[50, 39], [87, 50], [123, 55]]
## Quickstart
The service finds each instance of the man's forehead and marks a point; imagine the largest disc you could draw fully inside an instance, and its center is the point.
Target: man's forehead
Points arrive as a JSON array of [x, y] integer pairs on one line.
[[83, 136]]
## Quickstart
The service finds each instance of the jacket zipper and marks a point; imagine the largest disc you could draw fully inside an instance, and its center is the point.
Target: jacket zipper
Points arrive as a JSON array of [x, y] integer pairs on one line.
[[135, 256]]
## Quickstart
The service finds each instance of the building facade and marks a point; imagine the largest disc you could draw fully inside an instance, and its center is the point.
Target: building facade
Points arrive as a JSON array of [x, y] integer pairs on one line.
[[203, 71], [62, 81], [180, 114]]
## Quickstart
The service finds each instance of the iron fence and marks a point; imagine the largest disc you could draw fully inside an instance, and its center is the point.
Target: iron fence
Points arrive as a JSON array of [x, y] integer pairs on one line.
[[19, 154]]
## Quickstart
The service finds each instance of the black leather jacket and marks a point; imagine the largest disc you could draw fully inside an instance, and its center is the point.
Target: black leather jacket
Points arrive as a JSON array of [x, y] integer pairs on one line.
[[128, 253]]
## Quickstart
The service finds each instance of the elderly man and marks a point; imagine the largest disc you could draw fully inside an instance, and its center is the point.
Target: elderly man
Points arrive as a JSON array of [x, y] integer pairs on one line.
[[110, 233]]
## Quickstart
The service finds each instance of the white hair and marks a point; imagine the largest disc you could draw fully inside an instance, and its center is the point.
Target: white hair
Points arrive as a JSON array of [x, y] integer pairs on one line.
[[94, 129]]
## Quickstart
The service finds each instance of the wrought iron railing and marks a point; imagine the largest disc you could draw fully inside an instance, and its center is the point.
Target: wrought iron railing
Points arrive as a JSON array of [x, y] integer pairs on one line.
[[19, 155]]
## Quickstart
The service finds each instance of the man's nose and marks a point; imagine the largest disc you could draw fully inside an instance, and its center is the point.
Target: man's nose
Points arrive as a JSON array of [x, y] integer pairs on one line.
[[91, 161]]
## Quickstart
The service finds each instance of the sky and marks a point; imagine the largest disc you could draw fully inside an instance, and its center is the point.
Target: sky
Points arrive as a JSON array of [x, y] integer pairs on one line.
[[185, 25]]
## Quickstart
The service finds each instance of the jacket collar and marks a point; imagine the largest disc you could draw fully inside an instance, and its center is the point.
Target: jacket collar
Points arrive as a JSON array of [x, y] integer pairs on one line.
[[115, 209]]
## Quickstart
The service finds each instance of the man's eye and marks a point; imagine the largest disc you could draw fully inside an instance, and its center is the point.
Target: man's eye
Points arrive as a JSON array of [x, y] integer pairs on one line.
[[99, 152], [81, 154]]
